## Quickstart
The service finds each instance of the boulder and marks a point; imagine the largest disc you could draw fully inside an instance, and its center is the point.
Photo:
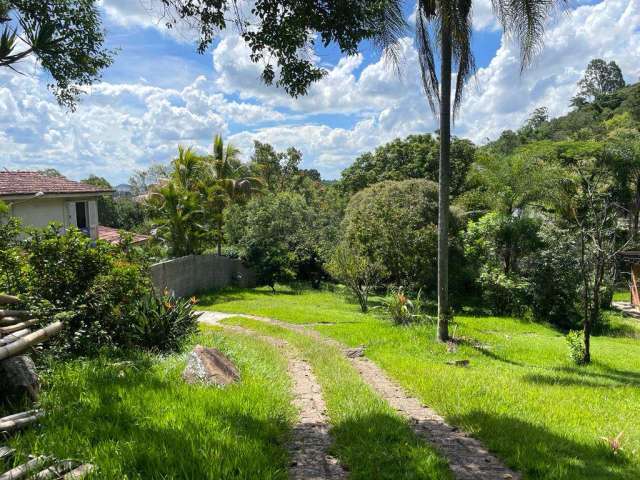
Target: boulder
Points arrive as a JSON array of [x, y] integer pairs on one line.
[[19, 375], [209, 367]]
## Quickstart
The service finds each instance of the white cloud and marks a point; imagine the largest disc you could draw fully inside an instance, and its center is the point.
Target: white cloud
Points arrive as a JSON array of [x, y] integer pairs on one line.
[[356, 107]]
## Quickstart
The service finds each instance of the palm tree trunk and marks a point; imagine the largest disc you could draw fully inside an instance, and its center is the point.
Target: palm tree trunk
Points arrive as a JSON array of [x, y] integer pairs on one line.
[[443, 180]]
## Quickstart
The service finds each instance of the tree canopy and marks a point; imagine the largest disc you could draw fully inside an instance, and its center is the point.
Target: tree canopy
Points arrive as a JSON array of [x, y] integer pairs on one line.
[[65, 36]]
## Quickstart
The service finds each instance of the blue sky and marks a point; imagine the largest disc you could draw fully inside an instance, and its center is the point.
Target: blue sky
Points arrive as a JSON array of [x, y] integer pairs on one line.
[[160, 93]]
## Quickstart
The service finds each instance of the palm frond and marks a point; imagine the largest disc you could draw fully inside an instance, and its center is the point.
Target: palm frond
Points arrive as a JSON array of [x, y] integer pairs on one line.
[[525, 20], [427, 22], [461, 33]]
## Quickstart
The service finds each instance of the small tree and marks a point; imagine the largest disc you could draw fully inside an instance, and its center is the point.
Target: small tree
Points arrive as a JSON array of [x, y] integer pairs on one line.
[[588, 206], [357, 272]]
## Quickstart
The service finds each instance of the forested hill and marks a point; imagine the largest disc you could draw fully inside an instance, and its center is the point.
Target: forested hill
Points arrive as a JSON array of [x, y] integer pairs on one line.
[[588, 120], [605, 108]]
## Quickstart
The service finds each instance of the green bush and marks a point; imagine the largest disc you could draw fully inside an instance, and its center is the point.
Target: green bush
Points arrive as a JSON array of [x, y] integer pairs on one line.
[[163, 323], [92, 285], [575, 342], [394, 223], [401, 308], [504, 294]]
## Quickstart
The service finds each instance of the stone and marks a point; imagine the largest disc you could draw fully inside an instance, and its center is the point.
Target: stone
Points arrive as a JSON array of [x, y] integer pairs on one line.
[[20, 375], [209, 366], [459, 363], [355, 352]]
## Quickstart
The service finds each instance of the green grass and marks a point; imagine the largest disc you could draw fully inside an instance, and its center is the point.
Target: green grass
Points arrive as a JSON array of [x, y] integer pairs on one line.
[[137, 419], [621, 296], [520, 394], [371, 440]]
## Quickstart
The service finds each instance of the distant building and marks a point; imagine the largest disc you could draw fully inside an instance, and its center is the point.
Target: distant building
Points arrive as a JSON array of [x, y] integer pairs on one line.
[[123, 190]]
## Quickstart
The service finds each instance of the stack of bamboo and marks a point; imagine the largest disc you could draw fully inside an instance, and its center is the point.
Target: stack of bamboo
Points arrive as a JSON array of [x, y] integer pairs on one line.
[[16, 337]]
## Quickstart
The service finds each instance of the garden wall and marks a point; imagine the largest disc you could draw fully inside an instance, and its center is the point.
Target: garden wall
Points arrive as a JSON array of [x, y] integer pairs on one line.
[[186, 276]]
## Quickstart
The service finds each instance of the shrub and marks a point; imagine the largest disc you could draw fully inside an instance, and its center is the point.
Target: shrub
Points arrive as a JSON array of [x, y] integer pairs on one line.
[[554, 279], [92, 284], [394, 223], [401, 308], [358, 273], [273, 235], [504, 294], [163, 323], [575, 342]]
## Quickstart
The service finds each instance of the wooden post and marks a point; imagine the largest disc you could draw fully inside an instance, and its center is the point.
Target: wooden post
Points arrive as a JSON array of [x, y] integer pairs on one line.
[[635, 298]]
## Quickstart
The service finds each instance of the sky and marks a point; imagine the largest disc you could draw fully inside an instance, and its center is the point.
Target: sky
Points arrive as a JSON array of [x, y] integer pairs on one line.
[[160, 93]]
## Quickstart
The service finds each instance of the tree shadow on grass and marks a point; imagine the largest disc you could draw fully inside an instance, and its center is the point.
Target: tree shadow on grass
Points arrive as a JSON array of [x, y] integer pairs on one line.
[[235, 294], [383, 446], [586, 377], [540, 453]]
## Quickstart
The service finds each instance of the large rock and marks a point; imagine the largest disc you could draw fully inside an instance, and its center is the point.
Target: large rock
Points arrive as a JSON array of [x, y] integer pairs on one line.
[[19, 375], [210, 367]]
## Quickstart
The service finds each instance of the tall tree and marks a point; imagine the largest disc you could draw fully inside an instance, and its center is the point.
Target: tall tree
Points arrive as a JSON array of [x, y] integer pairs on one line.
[[600, 78], [64, 35]]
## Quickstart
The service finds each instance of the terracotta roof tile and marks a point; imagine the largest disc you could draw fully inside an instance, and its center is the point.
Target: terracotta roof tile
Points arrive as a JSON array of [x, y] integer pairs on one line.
[[30, 183], [112, 235]]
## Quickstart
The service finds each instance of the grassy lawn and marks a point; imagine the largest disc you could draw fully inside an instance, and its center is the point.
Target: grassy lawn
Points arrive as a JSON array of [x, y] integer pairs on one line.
[[138, 420], [621, 296], [520, 394], [371, 440]]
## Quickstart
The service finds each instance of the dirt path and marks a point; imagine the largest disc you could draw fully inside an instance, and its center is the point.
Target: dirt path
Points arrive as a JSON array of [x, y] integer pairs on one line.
[[310, 440], [467, 458]]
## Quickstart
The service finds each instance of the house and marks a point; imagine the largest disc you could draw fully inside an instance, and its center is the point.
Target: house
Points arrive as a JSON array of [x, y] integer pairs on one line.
[[39, 199]]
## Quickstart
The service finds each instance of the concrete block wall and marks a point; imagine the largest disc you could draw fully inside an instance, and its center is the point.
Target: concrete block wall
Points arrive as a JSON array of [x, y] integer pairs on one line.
[[186, 276]]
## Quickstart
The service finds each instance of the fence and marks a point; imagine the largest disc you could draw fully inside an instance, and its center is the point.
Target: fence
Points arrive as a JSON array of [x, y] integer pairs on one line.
[[186, 276]]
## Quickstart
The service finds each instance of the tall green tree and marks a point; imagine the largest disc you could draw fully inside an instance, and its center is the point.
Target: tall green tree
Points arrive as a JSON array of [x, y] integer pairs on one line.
[[600, 78], [65, 36], [223, 183]]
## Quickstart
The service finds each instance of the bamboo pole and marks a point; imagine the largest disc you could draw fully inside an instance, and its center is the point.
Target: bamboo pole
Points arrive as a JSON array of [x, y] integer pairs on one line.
[[15, 416], [5, 321], [17, 326], [15, 313], [6, 453], [55, 471], [18, 423], [23, 470], [14, 336], [24, 343], [8, 299], [79, 472]]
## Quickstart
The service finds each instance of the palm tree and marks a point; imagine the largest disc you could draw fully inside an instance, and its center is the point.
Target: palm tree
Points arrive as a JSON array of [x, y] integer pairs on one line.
[[224, 182], [444, 27]]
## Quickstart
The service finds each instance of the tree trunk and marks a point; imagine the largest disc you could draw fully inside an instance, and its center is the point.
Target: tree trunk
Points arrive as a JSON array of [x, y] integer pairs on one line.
[[636, 208], [219, 239], [443, 181]]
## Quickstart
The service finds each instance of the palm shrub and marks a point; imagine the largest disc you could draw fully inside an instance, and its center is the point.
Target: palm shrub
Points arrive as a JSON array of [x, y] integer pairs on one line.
[[163, 323], [401, 308]]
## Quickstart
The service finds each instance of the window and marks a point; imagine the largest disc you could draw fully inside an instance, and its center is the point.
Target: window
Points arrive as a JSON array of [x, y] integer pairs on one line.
[[82, 221]]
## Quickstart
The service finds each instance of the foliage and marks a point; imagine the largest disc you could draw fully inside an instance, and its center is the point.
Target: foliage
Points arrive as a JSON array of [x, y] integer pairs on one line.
[[393, 223], [600, 78], [122, 213], [401, 308], [91, 285], [66, 37], [10, 253], [163, 323], [357, 272], [273, 235], [415, 156], [554, 277], [278, 33], [575, 343]]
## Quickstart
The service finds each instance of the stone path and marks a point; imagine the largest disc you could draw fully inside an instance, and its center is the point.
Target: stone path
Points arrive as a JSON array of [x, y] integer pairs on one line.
[[467, 458], [310, 440], [627, 308]]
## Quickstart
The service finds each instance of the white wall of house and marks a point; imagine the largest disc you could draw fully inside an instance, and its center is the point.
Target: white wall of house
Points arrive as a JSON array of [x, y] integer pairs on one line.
[[39, 212]]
